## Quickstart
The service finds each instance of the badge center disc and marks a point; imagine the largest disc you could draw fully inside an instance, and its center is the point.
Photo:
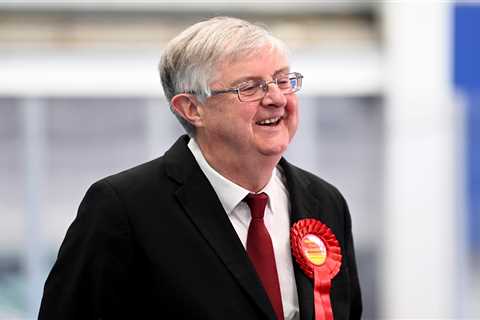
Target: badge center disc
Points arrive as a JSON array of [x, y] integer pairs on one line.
[[314, 249]]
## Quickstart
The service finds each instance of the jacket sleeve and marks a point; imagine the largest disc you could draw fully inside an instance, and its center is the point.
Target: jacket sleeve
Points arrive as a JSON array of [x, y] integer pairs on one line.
[[90, 275], [356, 297]]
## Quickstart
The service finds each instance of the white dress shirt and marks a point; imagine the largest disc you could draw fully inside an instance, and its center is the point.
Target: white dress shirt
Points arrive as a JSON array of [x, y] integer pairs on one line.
[[277, 221]]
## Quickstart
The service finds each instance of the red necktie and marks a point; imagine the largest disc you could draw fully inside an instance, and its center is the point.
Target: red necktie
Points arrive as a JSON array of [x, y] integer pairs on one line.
[[260, 251]]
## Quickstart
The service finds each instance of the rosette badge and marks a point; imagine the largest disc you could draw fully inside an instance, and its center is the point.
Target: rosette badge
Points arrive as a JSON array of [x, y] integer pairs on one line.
[[318, 254]]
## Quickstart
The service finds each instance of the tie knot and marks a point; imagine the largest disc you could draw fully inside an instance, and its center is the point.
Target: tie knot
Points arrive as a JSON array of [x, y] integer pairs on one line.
[[257, 203]]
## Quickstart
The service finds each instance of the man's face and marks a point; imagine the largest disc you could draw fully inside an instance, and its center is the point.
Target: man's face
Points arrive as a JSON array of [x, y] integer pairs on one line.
[[232, 128]]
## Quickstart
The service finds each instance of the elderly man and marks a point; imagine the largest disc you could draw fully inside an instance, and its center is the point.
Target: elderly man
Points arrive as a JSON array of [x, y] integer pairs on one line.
[[221, 226]]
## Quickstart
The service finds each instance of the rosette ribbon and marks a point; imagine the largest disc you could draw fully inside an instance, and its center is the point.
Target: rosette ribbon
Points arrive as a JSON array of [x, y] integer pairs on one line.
[[318, 253]]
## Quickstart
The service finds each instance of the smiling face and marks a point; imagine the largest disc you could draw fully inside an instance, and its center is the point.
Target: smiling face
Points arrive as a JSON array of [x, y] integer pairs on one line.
[[234, 132]]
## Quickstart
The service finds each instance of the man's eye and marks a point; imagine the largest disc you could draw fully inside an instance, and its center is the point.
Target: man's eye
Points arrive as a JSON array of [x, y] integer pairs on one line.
[[248, 88], [283, 82]]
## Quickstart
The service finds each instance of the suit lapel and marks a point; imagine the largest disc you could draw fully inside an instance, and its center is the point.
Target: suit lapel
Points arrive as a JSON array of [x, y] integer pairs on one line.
[[303, 205], [201, 204]]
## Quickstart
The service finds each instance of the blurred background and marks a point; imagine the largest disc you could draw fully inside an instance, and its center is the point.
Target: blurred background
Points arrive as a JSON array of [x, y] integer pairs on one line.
[[390, 114]]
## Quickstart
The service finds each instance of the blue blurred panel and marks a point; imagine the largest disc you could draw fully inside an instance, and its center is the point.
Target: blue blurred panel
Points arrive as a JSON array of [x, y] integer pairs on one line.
[[473, 158], [467, 80], [467, 46]]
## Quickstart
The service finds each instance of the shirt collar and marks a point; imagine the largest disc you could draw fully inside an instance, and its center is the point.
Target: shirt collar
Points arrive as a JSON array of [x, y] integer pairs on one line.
[[229, 193]]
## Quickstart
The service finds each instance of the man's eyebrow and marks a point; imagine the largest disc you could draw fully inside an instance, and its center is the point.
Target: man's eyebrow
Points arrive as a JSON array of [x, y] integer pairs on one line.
[[282, 71], [244, 79]]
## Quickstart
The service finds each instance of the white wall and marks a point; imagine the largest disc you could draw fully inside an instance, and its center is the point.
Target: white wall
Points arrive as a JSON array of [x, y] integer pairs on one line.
[[421, 253]]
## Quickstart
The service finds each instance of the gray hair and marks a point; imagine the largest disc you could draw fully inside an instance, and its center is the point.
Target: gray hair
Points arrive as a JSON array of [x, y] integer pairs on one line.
[[190, 60]]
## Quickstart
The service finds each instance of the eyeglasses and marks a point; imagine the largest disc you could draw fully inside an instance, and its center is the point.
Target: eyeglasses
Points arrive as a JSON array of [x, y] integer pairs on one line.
[[254, 90]]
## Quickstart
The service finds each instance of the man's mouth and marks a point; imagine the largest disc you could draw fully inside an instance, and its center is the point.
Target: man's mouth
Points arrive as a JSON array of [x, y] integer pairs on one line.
[[270, 121]]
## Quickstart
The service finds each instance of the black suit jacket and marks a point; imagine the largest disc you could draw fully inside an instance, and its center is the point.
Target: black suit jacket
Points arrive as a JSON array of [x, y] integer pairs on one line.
[[154, 242]]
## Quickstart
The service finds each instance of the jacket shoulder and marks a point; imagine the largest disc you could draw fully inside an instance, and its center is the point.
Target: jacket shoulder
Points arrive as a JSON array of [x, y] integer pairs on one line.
[[142, 173], [311, 181], [175, 160]]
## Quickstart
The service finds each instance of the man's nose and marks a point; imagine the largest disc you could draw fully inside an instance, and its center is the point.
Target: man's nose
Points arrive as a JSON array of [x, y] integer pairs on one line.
[[273, 95]]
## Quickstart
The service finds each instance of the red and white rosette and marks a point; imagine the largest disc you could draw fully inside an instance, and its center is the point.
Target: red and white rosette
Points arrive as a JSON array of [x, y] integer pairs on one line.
[[318, 253]]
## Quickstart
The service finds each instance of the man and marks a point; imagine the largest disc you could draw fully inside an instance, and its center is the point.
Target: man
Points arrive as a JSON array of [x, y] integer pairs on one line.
[[174, 238]]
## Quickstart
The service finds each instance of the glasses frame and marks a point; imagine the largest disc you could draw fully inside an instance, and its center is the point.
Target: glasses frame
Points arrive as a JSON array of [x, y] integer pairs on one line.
[[263, 85]]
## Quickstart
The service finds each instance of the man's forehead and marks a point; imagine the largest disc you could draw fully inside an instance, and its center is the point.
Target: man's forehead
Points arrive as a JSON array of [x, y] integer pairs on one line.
[[254, 65]]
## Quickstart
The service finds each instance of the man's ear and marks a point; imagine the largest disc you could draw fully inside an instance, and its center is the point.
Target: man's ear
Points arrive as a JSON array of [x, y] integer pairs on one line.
[[187, 106]]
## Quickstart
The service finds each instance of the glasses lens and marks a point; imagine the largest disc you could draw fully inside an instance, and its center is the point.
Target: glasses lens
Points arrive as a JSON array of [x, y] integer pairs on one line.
[[286, 83], [289, 83], [295, 81], [248, 88], [250, 91]]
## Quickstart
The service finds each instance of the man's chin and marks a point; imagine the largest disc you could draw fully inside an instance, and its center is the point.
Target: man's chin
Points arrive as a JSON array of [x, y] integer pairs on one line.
[[274, 150]]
